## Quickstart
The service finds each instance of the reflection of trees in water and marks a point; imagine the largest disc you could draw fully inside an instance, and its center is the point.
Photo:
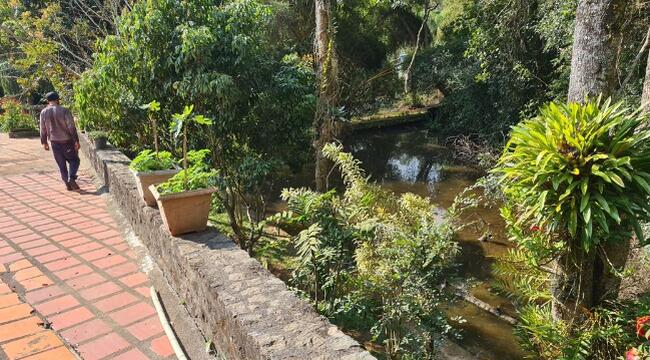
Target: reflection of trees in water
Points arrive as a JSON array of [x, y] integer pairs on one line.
[[405, 155]]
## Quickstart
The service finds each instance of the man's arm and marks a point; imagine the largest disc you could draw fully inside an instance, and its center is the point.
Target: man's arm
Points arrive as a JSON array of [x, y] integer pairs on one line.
[[43, 130], [72, 129]]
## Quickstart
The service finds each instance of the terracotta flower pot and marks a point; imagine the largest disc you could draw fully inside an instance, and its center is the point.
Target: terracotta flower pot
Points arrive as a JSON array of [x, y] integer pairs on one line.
[[184, 212], [144, 179], [100, 143]]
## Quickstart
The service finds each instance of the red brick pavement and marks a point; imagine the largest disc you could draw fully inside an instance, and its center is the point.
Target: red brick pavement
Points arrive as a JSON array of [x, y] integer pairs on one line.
[[65, 263]]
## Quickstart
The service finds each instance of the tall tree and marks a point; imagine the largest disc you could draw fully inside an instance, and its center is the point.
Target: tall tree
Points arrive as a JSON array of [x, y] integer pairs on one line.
[[584, 278], [325, 60], [593, 69]]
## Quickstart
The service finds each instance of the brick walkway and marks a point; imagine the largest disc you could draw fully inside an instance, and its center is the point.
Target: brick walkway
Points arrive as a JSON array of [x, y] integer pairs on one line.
[[70, 285]]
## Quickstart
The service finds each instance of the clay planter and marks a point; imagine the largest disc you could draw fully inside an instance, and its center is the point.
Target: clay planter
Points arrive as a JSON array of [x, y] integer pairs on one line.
[[184, 212], [100, 143], [144, 179]]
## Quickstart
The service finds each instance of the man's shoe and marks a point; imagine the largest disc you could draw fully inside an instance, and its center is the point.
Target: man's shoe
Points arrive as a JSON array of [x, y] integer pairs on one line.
[[68, 186], [74, 185]]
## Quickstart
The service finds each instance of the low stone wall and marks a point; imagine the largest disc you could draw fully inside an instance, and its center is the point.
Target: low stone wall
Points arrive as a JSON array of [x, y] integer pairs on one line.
[[245, 310]]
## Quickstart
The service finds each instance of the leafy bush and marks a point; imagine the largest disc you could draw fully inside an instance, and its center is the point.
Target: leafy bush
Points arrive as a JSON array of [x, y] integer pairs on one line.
[[148, 160], [373, 261], [606, 335], [223, 58], [14, 117], [97, 134], [199, 175]]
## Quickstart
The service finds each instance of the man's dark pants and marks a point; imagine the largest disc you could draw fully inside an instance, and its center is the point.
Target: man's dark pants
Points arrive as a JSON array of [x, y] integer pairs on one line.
[[64, 154]]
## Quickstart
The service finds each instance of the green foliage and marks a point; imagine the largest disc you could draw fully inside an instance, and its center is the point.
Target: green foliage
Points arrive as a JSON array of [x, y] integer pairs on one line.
[[230, 61], [371, 260], [575, 174], [153, 106], [14, 117], [148, 160], [199, 175], [48, 44], [97, 134], [180, 121], [219, 57], [580, 171], [519, 276], [607, 334], [498, 61]]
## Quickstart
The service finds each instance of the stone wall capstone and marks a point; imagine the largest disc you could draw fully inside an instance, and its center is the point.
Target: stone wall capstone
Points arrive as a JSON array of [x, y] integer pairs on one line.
[[245, 310]]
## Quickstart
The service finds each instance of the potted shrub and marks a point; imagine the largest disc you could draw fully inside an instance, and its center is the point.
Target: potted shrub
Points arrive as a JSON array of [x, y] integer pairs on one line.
[[152, 167], [184, 200], [99, 139], [16, 121]]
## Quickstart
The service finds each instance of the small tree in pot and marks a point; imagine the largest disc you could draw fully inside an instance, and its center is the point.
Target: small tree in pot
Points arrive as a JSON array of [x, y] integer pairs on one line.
[[184, 200], [99, 138], [152, 167]]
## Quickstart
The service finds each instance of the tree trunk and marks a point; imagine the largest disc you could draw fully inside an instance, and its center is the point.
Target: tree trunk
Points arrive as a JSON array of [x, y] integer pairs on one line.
[[584, 279], [593, 59], [407, 72], [645, 98], [573, 282], [609, 265], [327, 79]]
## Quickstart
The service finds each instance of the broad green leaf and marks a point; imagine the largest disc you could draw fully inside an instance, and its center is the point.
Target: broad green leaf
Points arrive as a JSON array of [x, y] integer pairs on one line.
[[573, 222], [641, 181], [584, 201]]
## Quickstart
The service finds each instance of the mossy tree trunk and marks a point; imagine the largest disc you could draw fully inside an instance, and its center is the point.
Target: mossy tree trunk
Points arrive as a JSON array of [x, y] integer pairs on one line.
[[326, 64], [593, 58]]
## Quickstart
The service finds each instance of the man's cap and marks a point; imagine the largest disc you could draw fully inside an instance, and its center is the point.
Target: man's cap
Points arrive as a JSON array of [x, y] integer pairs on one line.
[[52, 96]]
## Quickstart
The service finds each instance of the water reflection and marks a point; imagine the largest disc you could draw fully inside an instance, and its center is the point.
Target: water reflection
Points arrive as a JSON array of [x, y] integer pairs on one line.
[[409, 160]]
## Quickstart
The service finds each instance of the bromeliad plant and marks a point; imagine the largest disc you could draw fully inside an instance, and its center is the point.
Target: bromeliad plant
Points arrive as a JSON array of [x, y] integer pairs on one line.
[[576, 184], [581, 169], [199, 175]]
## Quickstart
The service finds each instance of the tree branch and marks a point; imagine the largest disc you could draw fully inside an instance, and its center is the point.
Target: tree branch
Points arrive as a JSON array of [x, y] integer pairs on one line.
[[635, 62]]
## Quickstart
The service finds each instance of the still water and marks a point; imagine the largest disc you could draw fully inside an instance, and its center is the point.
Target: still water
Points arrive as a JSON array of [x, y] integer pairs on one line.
[[408, 159]]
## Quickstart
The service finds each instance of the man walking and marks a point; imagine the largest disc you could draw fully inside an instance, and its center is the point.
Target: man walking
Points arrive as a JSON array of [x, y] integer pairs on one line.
[[57, 125]]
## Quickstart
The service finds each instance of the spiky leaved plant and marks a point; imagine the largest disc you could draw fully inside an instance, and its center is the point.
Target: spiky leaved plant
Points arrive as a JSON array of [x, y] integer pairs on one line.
[[582, 170]]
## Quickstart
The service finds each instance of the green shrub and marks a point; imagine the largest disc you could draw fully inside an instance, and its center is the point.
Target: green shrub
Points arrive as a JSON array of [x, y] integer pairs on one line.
[[14, 117], [148, 160], [371, 260], [97, 134], [607, 334], [199, 175]]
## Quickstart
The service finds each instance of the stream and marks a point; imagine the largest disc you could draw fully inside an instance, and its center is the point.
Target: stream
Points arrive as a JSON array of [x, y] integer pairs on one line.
[[408, 159]]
